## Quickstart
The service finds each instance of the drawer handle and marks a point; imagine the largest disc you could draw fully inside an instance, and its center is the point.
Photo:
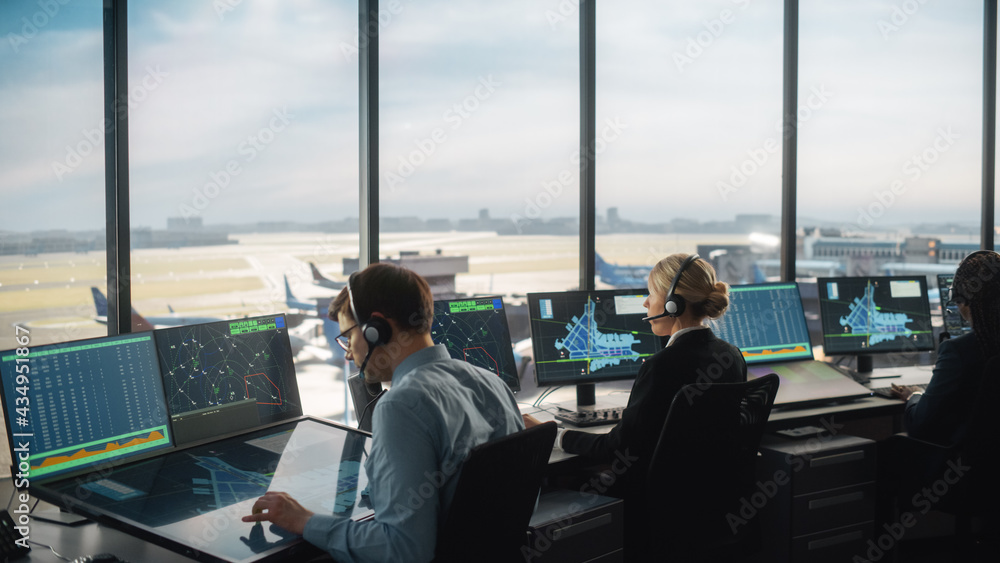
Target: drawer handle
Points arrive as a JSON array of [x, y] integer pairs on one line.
[[845, 457], [571, 530], [842, 538], [835, 500]]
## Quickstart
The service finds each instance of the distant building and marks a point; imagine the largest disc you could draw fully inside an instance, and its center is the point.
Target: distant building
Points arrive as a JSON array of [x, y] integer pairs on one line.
[[438, 269]]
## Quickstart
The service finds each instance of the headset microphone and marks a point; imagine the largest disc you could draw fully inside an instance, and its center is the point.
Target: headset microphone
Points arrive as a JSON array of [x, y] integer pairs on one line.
[[674, 305], [660, 316]]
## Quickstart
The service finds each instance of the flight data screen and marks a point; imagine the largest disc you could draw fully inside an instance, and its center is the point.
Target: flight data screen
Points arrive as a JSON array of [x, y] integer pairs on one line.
[[766, 322], [85, 402]]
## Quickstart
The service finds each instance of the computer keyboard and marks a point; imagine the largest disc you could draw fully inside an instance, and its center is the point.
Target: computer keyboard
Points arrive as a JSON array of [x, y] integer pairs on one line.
[[887, 391], [596, 417]]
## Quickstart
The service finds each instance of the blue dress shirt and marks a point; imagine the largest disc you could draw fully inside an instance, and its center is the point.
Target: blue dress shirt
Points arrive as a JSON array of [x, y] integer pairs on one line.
[[436, 411]]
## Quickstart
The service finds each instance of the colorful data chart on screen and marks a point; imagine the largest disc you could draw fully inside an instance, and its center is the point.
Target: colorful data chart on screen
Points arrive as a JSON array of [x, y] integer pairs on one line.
[[766, 322], [92, 401]]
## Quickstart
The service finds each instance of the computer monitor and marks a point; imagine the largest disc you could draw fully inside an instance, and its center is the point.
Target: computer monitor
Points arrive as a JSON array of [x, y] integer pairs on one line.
[[227, 376], [73, 405], [954, 323], [867, 315], [583, 337], [766, 322], [475, 329]]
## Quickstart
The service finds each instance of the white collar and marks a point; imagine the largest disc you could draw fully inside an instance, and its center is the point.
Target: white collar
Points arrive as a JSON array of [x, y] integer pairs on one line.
[[684, 331]]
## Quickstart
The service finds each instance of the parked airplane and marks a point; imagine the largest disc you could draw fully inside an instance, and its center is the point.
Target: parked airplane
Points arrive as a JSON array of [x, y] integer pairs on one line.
[[323, 281], [101, 304], [294, 303], [621, 276], [298, 334]]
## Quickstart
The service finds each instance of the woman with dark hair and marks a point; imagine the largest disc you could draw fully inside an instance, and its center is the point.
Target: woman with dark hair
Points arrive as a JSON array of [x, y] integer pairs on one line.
[[940, 413]]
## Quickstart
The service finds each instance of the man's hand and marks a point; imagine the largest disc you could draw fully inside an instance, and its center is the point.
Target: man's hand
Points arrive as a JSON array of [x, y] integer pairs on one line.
[[281, 509], [903, 392], [530, 421]]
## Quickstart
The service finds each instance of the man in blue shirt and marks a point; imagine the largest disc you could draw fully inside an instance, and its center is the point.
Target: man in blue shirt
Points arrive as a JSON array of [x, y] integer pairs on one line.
[[437, 410]]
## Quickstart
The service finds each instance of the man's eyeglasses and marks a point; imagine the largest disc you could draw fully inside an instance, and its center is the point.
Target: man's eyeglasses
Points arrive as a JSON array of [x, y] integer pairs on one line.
[[345, 341]]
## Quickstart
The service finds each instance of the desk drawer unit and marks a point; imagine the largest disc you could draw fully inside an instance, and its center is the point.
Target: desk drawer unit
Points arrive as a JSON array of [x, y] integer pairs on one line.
[[816, 497], [574, 527]]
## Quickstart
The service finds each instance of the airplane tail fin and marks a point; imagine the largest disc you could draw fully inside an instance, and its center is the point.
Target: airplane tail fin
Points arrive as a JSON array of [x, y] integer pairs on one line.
[[289, 298], [317, 275], [604, 270], [100, 302], [139, 323]]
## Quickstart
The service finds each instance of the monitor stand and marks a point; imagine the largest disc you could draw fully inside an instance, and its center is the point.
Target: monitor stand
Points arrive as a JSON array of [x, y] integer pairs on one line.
[[586, 396], [864, 368]]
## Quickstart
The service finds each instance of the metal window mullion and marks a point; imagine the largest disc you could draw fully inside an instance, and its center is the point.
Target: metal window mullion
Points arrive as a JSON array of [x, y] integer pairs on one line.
[[116, 167]]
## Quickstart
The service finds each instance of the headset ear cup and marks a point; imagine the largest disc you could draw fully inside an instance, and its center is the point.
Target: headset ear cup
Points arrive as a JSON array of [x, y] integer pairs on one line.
[[674, 306], [376, 331]]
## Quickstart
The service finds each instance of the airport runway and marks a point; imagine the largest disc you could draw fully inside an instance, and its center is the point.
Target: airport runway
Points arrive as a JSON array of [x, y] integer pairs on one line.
[[49, 294]]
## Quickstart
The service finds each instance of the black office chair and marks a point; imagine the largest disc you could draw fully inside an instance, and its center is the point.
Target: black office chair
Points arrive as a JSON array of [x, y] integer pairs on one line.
[[914, 464], [704, 463], [495, 497]]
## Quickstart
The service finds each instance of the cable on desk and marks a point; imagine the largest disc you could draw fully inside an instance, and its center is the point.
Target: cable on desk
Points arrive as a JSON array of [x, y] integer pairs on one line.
[[546, 393], [54, 552]]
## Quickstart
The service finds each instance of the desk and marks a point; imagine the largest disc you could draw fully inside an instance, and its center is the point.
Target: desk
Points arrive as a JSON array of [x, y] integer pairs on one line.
[[875, 418], [85, 539]]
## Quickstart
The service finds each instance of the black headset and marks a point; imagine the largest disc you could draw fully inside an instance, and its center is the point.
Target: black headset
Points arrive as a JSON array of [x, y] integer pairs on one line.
[[674, 305], [376, 331]]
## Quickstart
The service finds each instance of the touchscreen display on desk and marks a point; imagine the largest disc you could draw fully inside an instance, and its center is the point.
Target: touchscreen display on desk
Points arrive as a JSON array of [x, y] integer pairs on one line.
[[192, 500], [809, 383]]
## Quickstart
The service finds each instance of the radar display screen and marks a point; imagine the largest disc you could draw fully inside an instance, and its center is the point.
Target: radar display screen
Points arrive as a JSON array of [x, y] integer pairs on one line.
[[227, 375], [475, 330]]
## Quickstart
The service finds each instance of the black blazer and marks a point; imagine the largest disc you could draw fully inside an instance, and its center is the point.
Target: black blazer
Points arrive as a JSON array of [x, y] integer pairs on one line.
[[694, 357], [941, 414]]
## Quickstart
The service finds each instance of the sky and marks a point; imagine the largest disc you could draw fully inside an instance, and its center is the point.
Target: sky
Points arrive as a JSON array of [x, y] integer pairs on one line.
[[250, 113]]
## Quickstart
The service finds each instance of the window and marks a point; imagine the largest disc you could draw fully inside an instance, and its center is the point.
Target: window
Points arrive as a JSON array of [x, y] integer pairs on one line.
[[689, 134], [52, 235], [244, 164]]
